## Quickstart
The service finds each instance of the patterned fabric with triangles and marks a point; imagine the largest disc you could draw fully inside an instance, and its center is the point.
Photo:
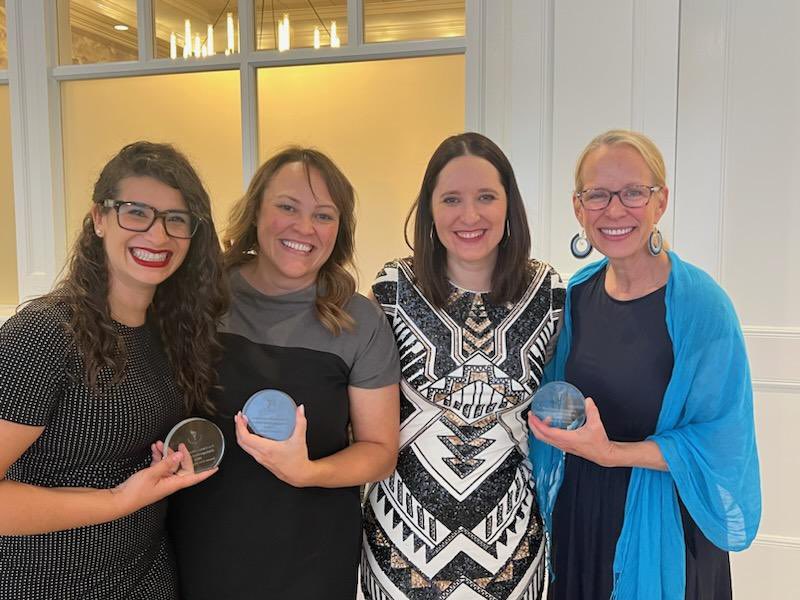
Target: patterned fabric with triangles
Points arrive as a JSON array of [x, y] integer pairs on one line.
[[458, 518]]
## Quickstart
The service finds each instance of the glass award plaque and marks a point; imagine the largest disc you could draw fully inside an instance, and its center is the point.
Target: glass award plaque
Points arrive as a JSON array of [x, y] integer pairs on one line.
[[271, 414], [202, 439], [562, 402]]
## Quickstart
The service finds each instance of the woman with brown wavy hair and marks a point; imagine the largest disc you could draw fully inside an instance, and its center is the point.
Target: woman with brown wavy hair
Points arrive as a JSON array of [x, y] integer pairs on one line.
[[94, 372], [286, 514]]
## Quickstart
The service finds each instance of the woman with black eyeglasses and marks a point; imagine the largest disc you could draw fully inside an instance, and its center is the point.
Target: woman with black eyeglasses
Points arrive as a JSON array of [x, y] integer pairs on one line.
[[647, 497], [93, 373]]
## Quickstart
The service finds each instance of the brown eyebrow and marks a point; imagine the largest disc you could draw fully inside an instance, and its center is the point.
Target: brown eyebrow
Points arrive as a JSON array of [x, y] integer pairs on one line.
[[481, 190], [296, 201]]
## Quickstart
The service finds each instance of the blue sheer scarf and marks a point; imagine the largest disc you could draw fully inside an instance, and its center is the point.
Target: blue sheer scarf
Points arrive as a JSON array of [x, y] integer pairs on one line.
[[705, 431]]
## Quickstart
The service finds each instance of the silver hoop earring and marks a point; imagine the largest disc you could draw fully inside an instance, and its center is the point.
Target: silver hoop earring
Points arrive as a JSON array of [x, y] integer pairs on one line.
[[655, 242], [508, 230], [98, 233], [430, 231], [580, 245]]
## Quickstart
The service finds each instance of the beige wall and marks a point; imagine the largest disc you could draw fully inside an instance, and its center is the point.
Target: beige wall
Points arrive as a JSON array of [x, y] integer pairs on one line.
[[380, 121], [197, 112], [8, 240]]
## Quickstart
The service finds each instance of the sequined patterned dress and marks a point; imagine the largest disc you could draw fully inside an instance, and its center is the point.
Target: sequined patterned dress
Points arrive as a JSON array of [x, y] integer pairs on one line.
[[458, 518]]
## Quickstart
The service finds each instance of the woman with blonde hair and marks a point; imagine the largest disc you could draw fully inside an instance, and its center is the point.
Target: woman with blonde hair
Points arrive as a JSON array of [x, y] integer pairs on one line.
[[285, 520], [93, 373], [662, 480]]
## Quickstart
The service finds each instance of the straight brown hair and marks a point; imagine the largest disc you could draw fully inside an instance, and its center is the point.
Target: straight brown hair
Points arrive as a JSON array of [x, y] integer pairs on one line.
[[511, 274]]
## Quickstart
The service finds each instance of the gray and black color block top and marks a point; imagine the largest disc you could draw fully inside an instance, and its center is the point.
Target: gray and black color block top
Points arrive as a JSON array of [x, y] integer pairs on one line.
[[90, 440], [245, 533]]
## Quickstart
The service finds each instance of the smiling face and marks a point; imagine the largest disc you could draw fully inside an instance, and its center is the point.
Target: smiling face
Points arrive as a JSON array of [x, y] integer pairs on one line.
[[616, 231], [297, 225], [139, 261], [469, 212]]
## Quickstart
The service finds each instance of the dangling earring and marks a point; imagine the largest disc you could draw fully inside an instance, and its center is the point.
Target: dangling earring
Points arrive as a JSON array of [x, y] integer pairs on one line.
[[580, 245], [655, 242], [508, 230], [430, 231]]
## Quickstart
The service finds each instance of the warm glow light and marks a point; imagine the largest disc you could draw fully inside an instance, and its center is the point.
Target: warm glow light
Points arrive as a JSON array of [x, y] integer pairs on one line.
[[121, 27], [173, 46], [316, 38], [283, 34], [210, 40], [187, 38], [335, 43], [197, 45], [229, 48]]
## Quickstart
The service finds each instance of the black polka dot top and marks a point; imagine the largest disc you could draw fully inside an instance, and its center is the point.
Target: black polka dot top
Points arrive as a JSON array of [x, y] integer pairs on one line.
[[90, 440]]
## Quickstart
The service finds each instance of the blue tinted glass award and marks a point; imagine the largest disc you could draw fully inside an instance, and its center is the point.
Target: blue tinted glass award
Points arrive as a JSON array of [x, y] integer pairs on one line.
[[271, 414], [562, 402], [202, 439]]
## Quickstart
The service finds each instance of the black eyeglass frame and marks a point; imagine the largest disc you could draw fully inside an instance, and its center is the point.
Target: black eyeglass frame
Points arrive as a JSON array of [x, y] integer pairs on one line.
[[652, 189], [157, 214]]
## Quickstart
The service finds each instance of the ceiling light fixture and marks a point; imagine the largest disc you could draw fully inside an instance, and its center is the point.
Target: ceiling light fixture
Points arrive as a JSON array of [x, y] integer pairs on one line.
[[121, 27]]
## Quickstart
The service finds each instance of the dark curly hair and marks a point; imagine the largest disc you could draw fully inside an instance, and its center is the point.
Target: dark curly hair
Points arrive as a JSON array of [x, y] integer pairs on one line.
[[186, 307]]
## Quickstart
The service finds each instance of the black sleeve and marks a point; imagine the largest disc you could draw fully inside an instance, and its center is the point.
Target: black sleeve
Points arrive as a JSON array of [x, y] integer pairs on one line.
[[33, 350]]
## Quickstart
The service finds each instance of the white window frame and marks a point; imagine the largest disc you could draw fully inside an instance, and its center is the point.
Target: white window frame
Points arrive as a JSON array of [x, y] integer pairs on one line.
[[34, 79]]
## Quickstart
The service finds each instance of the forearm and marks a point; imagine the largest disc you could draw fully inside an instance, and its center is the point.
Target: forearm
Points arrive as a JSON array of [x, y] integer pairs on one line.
[[357, 464], [28, 509], [646, 455]]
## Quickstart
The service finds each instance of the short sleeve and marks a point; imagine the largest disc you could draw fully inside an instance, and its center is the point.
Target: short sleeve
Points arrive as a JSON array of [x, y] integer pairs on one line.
[[377, 363], [33, 350], [384, 288]]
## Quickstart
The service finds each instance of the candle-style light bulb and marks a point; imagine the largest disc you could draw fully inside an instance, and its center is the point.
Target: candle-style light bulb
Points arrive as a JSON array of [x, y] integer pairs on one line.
[[229, 47], [197, 45], [187, 38], [335, 43], [173, 46], [283, 34], [316, 38], [210, 41]]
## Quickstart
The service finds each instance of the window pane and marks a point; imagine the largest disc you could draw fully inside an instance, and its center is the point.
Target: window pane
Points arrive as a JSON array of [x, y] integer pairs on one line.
[[380, 121], [322, 20], [199, 113], [213, 28], [403, 20], [3, 36], [8, 238], [93, 31]]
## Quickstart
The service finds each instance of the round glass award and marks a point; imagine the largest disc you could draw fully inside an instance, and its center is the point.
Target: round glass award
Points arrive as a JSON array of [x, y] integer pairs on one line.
[[271, 414], [202, 439], [562, 402]]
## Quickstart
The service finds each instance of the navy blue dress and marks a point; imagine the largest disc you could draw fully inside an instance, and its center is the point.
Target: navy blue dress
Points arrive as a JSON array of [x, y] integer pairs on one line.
[[622, 357]]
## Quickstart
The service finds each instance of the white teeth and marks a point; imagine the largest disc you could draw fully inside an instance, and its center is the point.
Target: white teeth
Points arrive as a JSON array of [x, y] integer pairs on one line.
[[297, 246], [468, 235], [621, 231], [149, 256]]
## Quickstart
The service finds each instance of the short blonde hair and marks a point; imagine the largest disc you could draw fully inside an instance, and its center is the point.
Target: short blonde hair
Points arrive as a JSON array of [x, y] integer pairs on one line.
[[638, 141]]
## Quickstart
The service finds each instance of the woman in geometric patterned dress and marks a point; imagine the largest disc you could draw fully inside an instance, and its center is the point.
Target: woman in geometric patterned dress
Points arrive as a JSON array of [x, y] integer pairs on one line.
[[473, 317], [95, 372]]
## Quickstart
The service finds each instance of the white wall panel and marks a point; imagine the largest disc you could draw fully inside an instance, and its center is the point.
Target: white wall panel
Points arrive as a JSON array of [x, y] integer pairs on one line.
[[767, 571], [716, 83], [777, 416], [760, 259]]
